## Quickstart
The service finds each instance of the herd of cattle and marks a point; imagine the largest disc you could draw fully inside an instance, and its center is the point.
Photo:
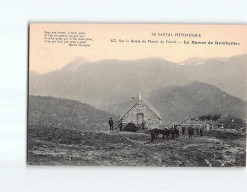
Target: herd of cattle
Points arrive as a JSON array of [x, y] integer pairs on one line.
[[174, 132]]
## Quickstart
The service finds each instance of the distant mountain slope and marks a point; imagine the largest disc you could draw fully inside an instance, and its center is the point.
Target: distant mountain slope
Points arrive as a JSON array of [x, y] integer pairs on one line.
[[228, 74], [179, 103], [107, 82], [66, 114], [195, 99]]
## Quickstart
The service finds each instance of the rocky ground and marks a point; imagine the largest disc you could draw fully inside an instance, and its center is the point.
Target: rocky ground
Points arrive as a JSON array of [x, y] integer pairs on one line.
[[50, 146]]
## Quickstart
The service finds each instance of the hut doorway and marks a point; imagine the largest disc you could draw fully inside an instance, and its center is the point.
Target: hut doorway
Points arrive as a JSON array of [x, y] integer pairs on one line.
[[140, 118]]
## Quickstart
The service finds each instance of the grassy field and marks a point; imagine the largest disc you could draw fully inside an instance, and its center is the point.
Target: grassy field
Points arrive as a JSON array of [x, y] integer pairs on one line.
[[49, 146]]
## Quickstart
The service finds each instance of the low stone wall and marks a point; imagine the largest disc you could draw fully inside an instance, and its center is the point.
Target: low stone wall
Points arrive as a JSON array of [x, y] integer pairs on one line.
[[235, 131]]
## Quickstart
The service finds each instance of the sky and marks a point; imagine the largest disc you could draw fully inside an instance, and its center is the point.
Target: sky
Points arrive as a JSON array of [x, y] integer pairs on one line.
[[45, 57]]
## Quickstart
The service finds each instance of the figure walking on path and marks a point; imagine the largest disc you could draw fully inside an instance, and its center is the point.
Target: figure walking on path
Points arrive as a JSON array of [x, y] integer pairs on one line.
[[111, 124]]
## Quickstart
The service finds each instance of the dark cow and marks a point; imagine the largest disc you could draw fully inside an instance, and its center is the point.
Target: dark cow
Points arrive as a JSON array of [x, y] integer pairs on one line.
[[174, 132], [156, 132], [165, 132]]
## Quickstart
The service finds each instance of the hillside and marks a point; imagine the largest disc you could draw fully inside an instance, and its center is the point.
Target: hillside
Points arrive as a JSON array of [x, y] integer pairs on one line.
[[195, 99], [107, 82], [228, 74], [178, 103], [66, 114]]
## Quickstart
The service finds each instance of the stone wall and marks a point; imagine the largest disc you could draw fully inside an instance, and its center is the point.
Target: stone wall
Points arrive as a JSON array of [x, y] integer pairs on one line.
[[152, 121]]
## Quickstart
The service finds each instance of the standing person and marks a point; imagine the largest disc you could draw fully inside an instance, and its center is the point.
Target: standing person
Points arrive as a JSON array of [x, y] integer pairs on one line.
[[176, 130], [111, 124], [143, 124], [121, 126], [197, 131], [183, 130], [190, 131], [201, 131]]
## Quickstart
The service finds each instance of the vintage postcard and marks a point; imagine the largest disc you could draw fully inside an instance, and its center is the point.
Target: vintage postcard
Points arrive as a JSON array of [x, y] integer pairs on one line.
[[171, 95]]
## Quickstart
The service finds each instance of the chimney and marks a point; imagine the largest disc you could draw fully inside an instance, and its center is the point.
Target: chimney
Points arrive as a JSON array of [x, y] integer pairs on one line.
[[140, 96]]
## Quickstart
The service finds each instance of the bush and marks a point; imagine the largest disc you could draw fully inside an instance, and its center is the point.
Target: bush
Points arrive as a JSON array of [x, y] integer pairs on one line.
[[130, 127]]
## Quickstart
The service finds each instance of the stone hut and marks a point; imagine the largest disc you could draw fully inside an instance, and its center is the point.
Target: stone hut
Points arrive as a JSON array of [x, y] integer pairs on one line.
[[142, 114]]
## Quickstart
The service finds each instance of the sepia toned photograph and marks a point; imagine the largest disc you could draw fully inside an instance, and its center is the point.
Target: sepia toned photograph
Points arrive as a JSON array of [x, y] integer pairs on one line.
[[156, 95]]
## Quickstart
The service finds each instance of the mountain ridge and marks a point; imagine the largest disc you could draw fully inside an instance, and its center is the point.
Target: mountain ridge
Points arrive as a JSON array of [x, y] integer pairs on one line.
[[107, 82]]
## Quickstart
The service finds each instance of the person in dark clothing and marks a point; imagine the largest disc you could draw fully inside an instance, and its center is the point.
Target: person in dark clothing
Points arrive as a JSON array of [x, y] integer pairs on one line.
[[176, 131], [197, 131], [201, 131], [111, 124], [121, 126], [190, 131], [183, 130], [152, 136], [143, 124]]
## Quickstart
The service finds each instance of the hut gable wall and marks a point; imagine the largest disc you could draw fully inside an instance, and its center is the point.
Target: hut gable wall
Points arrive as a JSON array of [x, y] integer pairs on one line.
[[151, 119]]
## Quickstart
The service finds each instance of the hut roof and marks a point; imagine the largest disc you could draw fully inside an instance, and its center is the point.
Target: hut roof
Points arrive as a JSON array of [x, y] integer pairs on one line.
[[148, 104]]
